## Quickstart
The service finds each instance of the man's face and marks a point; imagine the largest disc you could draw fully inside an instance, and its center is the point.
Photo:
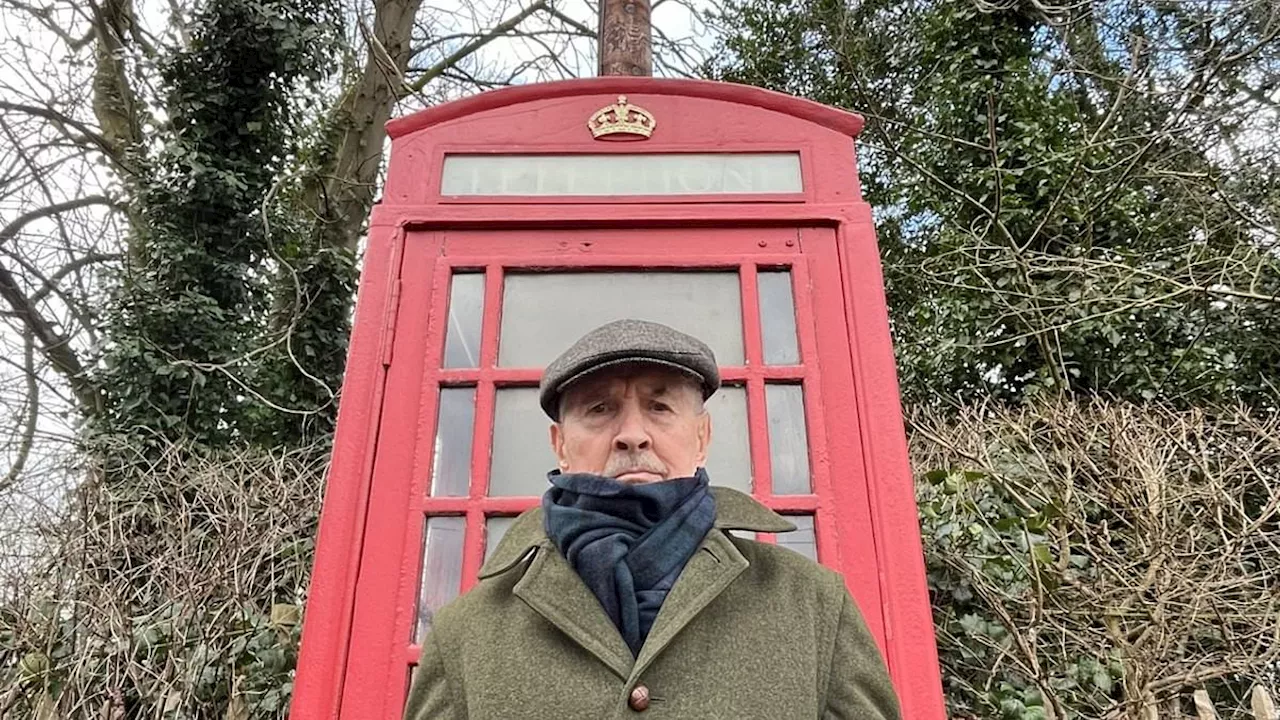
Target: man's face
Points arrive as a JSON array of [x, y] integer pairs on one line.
[[639, 424]]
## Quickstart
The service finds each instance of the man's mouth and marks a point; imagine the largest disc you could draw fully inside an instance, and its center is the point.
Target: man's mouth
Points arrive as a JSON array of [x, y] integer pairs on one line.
[[638, 474]]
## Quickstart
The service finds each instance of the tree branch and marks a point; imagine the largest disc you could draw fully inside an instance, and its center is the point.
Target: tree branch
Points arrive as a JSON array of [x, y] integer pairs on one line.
[[32, 415], [458, 55], [66, 121], [55, 348], [13, 228], [51, 283]]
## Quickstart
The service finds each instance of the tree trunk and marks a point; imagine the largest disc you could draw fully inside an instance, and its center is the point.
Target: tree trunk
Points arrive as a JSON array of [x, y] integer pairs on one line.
[[114, 102], [340, 193]]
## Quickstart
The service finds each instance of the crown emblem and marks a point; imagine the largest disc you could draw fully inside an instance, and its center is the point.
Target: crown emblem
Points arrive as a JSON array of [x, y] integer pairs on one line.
[[622, 118]]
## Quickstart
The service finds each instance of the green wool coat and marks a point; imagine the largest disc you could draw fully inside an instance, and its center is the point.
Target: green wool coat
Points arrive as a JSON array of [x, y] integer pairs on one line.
[[748, 631]]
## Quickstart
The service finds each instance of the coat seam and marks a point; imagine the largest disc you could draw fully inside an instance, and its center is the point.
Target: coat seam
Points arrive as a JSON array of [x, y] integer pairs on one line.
[[455, 690], [825, 688]]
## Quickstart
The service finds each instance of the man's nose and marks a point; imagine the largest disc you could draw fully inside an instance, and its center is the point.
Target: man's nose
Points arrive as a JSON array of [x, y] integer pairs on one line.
[[632, 433]]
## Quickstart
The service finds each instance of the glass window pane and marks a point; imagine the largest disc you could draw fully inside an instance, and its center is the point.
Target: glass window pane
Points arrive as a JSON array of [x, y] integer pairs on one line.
[[777, 318], [495, 528], [522, 453], [788, 441], [619, 174], [466, 311], [451, 469], [729, 458], [543, 314], [441, 569], [802, 539]]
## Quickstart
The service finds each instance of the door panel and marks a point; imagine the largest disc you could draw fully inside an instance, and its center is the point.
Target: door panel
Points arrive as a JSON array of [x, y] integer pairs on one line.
[[468, 353]]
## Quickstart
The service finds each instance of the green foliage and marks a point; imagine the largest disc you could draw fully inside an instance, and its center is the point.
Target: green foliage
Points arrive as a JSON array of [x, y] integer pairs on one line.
[[304, 337], [194, 298], [1085, 560], [1070, 199], [306, 342]]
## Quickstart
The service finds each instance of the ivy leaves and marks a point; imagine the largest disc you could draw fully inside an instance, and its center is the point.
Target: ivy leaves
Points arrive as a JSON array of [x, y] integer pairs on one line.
[[1057, 207], [190, 313]]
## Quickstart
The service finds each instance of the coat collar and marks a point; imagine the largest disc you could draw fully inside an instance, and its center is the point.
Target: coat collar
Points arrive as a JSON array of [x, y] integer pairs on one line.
[[551, 587], [734, 511]]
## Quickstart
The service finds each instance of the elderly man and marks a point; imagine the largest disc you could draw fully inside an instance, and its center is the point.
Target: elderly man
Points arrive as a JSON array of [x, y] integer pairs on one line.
[[624, 593]]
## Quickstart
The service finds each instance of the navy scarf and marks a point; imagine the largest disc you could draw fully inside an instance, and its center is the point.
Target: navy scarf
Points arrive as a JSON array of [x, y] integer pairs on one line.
[[627, 542]]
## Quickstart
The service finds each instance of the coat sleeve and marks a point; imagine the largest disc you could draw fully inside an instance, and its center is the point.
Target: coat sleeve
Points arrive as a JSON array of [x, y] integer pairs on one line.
[[433, 695], [858, 687]]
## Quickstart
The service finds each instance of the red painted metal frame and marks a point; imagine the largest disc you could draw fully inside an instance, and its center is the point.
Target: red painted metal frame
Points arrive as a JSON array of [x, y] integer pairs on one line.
[[369, 546], [318, 685]]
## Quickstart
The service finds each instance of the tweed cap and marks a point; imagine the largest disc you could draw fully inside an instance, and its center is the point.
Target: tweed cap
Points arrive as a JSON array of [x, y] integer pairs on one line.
[[624, 342]]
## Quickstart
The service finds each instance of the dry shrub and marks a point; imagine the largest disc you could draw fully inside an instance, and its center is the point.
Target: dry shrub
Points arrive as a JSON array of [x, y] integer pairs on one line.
[[176, 591], [1087, 561], [1102, 560]]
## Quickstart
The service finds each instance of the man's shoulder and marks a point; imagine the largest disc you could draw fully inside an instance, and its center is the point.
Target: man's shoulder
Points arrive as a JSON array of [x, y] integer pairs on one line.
[[488, 597], [782, 565]]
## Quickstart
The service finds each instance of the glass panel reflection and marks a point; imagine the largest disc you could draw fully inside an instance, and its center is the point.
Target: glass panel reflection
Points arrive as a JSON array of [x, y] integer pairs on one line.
[[495, 528], [451, 469], [441, 569], [777, 318], [466, 312], [788, 440], [802, 539], [522, 453], [617, 174], [729, 458], [542, 314]]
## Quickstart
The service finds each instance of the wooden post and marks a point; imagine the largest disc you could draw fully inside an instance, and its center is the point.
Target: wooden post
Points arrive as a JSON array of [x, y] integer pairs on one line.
[[625, 42]]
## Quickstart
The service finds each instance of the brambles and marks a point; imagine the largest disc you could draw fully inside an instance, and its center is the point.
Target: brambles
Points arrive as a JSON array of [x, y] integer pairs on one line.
[[1102, 560]]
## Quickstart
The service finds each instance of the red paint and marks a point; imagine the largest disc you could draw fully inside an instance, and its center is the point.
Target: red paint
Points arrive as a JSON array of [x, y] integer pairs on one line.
[[892, 494], [319, 681], [816, 113], [357, 639]]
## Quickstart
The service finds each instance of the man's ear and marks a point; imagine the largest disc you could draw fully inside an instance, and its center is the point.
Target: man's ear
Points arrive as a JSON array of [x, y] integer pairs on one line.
[[557, 445], [704, 437]]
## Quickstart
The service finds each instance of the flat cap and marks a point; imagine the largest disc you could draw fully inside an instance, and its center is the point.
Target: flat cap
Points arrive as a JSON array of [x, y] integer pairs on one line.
[[624, 342]]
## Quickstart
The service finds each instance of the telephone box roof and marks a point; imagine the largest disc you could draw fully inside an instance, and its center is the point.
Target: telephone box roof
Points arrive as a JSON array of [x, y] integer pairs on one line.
[[843, 122]]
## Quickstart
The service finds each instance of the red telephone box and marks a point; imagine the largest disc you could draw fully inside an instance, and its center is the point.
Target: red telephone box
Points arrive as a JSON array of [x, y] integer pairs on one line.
[[516, 220]]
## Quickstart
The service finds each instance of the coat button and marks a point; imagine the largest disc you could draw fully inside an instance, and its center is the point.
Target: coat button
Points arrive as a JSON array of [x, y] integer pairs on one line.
[[639, 700]]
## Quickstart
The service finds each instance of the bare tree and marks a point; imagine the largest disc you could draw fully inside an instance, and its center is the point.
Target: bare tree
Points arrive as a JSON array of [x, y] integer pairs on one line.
[[58, 226], [78, 106]]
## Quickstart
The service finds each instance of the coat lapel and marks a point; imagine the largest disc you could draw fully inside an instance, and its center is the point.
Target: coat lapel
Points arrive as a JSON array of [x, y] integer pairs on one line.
[[553, 589], [716, 564]]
